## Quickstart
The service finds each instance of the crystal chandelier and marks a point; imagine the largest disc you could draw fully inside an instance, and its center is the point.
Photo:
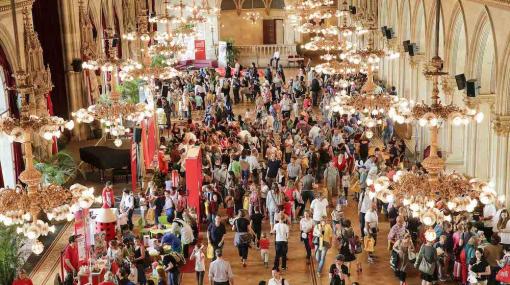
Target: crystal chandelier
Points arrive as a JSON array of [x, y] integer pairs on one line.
[[435, 194], [252, 15]]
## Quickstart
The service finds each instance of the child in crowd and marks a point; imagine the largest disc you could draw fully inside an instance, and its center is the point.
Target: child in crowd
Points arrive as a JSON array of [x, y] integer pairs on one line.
[[229, 201], [337, 216], [199, 257], [346, 180], [369, 246], [264, 249]]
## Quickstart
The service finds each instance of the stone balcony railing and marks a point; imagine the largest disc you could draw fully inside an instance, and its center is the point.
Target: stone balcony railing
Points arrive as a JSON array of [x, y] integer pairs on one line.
[[261, 54]]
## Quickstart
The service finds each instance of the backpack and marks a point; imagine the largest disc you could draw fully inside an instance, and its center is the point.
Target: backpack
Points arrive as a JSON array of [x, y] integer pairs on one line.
[[178, 258]]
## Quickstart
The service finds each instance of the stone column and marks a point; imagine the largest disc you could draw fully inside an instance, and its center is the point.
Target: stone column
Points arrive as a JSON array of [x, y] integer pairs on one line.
[[71, 37], [500, 166], [478, 138]]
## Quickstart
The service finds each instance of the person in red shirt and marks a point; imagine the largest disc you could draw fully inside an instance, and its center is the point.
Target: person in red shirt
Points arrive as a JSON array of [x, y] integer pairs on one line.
[[22, 279], [108, 196], [162, 163], [71, 260], [264, 249]]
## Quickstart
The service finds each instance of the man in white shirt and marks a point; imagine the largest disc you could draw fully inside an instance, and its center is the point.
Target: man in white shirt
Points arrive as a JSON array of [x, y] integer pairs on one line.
[[319, 208], [489, 211], [127, 206], [281, 229], [253, 161], [364, 205], [276, 57], [314, 131], [220, 271], [185, 231], [277, 278]]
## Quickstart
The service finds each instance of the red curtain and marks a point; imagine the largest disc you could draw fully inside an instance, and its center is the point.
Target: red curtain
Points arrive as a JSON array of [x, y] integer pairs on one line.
[[13, 109], [148, 141], [47, 25]]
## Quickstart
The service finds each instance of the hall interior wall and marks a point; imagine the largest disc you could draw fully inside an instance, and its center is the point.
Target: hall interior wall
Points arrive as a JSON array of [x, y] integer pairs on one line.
[[481, 150]]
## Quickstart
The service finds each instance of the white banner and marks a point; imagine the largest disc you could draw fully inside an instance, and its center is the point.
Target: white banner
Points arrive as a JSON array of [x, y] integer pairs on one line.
[[222, 54]]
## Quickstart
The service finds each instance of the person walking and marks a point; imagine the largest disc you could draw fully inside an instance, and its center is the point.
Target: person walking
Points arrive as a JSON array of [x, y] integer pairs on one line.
[[139, 260], [243, 235], [322, 236], [306, 227], [199, 257], [281, 230], [277, 278], [274, 203], [127, 206], [319, 208], [338, 272], [333, 181], [220, 271], [404, 249], [216, 234], [307, 183], [426, 263]]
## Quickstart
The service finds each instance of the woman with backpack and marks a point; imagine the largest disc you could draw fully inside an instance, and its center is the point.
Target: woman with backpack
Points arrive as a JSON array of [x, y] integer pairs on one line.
[[243, 236], [347, 241]]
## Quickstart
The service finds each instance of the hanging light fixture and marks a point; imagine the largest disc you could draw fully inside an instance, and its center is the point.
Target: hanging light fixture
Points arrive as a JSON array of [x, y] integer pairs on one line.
[[252, 15], [24, 205]]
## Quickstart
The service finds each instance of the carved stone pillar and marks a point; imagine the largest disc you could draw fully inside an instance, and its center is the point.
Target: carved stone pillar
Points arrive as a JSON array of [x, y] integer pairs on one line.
[[71, 37], [500, 165]]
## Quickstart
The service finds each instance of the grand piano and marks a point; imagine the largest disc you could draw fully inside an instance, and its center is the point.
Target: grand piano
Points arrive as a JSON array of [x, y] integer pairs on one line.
[[103, 158]]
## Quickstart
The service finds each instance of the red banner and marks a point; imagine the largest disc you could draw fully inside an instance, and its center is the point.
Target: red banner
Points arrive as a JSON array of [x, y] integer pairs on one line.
[[82, 235], [199, 49], [148, 141], [194, 178], [134, 177]]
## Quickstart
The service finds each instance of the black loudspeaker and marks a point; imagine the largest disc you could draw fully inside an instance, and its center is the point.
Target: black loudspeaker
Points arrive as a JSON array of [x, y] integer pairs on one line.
[[137, 135], [383, 30], [389, 33], [472, 88], [115, 42], [406, 45], [461, 81], [77, 65], [164, 91], [413, 49], [352, 9]]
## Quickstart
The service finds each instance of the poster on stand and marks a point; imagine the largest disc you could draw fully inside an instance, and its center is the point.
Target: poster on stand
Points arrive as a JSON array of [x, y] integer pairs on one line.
[[222, 54], [199, 49]]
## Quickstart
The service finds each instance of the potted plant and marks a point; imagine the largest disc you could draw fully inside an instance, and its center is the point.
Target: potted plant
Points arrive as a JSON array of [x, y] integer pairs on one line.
[[58, 169], [232, 52], [10, 254], [159, 179]]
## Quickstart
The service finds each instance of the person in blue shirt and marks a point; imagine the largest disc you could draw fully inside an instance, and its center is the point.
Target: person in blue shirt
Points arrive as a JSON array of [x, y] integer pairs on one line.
[[172, 240]]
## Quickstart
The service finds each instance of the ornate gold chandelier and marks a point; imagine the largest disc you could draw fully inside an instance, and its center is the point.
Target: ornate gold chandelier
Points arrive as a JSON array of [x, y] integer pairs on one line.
[[24, 205]]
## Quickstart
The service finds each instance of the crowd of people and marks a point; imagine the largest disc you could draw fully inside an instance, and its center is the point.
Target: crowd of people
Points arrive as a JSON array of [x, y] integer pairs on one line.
[[284, 159]]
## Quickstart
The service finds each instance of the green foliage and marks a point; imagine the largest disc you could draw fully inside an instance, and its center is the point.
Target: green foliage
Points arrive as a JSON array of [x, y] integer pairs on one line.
[[159, 179], [10, 254], [59, 169], [130, 90], [232, 53], [158, 61]]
